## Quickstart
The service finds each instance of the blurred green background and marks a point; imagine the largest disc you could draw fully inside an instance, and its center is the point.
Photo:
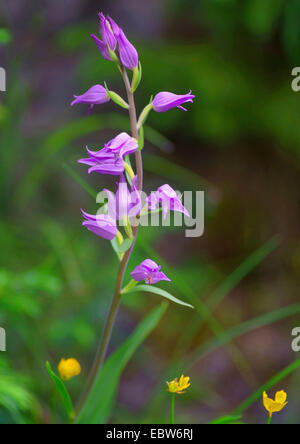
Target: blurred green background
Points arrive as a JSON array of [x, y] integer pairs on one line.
[[239, 143]]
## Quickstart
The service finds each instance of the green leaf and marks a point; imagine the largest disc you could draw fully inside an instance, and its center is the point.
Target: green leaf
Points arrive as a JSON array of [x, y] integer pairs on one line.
[[62, 390], [172, 171], [99, 404], [241, 329], [243, 270], [80, 180], [229, 419], [160, 292]]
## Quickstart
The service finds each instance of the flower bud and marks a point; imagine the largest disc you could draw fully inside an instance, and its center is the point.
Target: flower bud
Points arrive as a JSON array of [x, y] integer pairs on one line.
[[102, 48], [128, 54], [106, 31], [68, 368]]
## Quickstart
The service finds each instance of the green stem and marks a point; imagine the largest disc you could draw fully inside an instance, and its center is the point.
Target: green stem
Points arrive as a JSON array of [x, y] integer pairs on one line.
[[173, 408], [113, 311], [270, 419]]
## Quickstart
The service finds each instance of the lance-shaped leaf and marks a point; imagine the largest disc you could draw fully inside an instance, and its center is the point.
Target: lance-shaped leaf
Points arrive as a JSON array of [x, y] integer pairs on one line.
[[160, 292], [62, 390], [229, 419]]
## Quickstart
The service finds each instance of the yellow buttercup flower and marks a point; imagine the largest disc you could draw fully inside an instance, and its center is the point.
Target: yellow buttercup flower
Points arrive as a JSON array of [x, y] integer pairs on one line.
[[273, 406], [176, 386], [68, 368]]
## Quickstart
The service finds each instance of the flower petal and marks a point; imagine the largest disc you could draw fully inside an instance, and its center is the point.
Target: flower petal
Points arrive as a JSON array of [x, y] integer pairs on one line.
[[102, 47]]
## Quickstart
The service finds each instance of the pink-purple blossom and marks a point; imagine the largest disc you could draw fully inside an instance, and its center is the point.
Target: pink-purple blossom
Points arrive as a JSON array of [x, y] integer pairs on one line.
[[109, 160], [128, 203], [123, 203], [128, 54], [114, 39], [96, 95], [164, 101], [102, 225], [107, 33], [168, 199], [115, 28], [149, 272], [102, 47]]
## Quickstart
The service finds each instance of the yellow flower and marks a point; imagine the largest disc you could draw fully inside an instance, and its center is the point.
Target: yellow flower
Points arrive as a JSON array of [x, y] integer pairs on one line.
[[176, 386], [275, 406], [68, 368]]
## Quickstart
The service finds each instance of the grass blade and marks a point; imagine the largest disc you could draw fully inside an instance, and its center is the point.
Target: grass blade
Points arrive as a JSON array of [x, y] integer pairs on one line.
[[80, 180], [267, 386], [230, 419], [243, 270], [242, 329]]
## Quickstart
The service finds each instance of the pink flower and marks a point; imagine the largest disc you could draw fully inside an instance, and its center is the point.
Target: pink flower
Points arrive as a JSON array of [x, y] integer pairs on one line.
[[113, 38], [164, 101], [168, 199], [109, 160], [96, 95], [101, 225], [149, 272]]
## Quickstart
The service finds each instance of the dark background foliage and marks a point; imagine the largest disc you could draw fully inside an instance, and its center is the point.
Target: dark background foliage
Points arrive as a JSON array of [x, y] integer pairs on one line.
[[239, 143]]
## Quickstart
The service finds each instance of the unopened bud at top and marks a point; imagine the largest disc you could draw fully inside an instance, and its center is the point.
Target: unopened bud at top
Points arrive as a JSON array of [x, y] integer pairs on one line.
[[128, 54], [115, 44], [107, 33]]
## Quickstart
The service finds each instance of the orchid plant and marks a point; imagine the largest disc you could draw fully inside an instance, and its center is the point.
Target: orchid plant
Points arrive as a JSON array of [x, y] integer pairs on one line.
[[125, 209]]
